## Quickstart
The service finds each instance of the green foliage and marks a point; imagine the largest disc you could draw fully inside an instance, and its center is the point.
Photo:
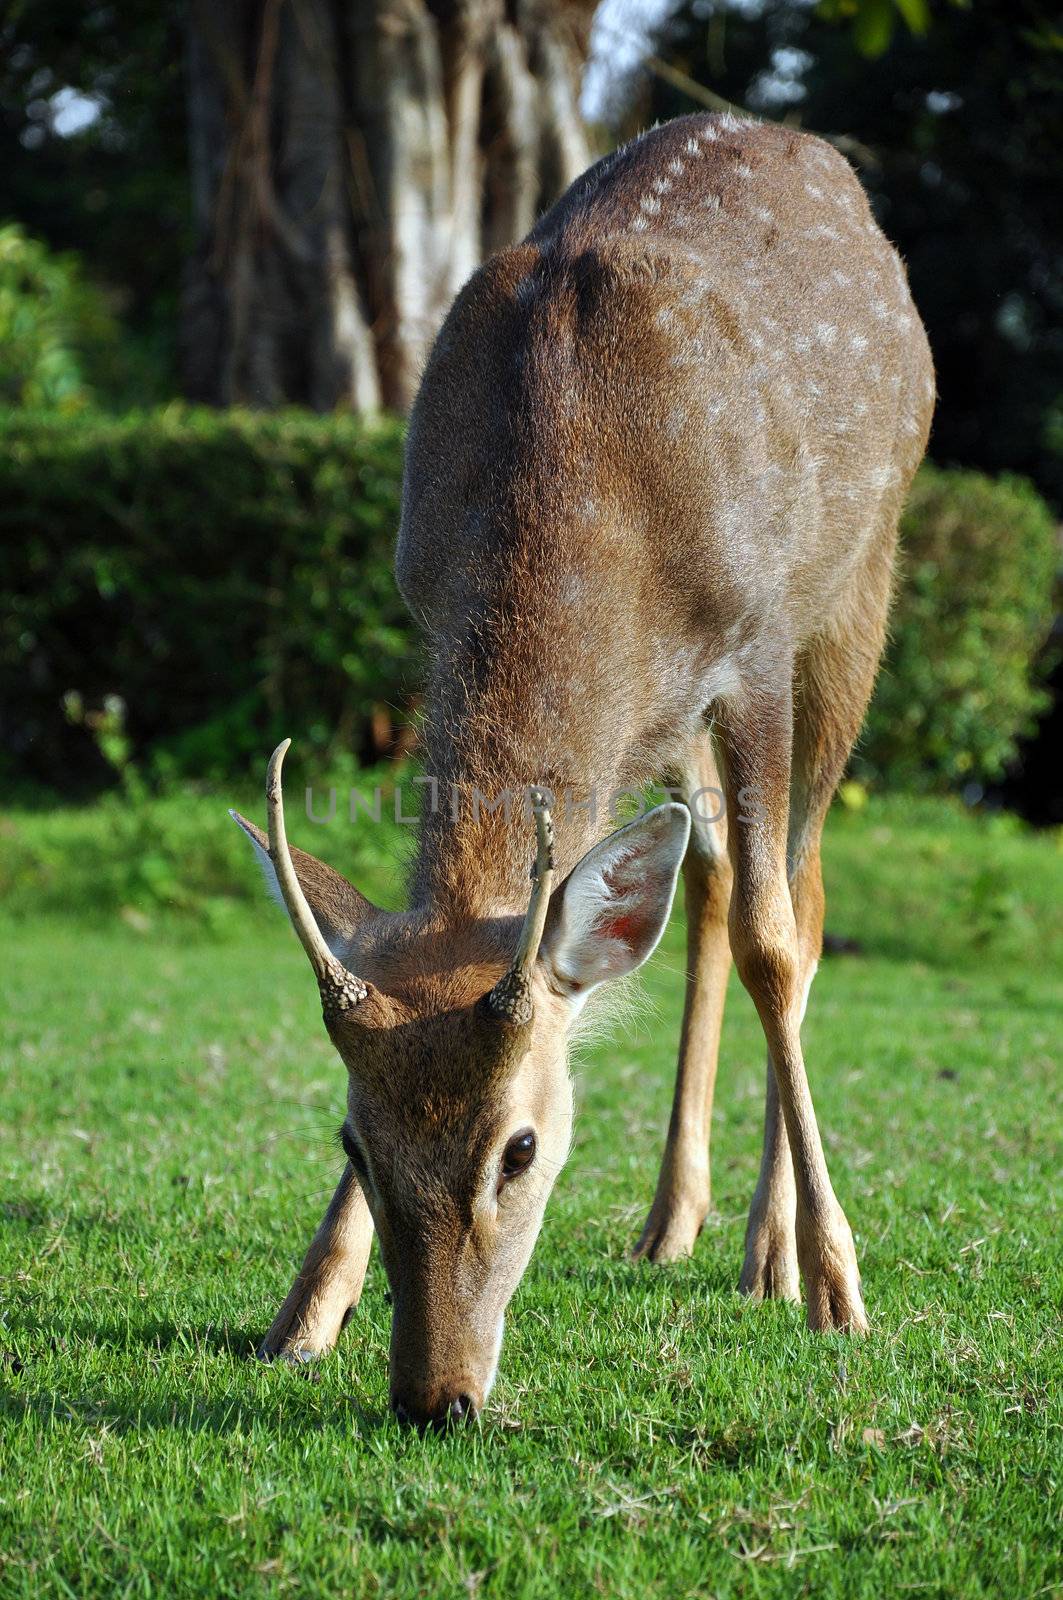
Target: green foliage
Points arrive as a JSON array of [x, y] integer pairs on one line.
[[181, 588], [873, 21], [963, 671], [178, 859], [117, 189], [55, 328]]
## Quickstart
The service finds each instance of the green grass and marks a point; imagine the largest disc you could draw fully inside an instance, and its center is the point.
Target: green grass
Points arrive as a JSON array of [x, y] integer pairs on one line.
[[167, 1108]]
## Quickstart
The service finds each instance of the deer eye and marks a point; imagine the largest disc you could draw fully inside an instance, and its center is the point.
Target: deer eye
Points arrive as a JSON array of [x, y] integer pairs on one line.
[[519, 1154]]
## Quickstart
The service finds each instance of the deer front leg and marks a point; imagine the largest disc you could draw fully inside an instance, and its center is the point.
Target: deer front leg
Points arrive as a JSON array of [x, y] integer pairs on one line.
[[769, 956], [683, 1195], [329, 1284]]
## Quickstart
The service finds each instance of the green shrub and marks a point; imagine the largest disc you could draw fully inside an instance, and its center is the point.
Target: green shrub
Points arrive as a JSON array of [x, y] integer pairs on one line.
[[140, 857], [55, 328], [962, 679], [180, 588]]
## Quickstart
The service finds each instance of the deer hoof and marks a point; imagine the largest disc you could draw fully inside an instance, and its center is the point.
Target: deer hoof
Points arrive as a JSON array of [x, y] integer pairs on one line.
[[671, 1231], [770, 1270], [832, 1283], [296, 1354]]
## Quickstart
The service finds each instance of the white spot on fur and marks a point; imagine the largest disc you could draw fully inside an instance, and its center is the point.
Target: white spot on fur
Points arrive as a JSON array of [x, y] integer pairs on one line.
[[676, 168], [826, 333], [857, 342], [802, 343], [692, 147], [639, 224], [743, 171], [661, 185], [650, 205], [814, 191]]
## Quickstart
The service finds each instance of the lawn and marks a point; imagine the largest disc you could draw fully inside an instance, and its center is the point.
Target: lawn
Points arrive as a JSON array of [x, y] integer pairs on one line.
[[168, 1107]]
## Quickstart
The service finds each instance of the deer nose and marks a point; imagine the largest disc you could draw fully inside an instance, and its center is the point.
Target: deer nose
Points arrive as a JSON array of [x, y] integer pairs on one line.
[[450, 1410], [461, 1409]]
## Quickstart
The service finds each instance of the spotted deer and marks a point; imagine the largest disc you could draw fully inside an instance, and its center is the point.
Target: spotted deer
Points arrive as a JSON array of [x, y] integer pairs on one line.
[[650, 505]]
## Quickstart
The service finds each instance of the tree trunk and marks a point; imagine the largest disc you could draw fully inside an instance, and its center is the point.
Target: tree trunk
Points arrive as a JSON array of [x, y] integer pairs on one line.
[[352, 162]]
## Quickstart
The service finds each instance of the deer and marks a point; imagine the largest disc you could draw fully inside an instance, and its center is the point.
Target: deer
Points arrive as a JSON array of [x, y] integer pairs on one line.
[[650, 501]]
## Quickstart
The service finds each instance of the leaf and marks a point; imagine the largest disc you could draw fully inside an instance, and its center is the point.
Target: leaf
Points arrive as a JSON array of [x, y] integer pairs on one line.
[[916, 14], [873, 27]]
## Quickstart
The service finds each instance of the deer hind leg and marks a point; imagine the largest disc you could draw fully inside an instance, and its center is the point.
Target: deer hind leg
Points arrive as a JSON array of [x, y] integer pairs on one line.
[[835, 677], [329, 1283], [681, 1202], [771, 953]]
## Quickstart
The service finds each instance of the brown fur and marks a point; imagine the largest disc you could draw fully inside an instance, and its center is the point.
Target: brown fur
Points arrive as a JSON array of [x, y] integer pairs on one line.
[[653, 481]]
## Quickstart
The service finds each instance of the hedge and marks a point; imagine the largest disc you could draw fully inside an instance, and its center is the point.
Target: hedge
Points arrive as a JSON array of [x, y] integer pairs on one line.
[[963, 675], [180, 588]]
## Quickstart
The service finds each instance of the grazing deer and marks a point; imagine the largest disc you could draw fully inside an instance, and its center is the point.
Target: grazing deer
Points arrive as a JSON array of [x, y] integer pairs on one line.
[[651, 496]]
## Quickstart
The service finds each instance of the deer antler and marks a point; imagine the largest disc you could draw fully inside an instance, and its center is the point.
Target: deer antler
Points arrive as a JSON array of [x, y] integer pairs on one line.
[[510, 999], [340, 989]]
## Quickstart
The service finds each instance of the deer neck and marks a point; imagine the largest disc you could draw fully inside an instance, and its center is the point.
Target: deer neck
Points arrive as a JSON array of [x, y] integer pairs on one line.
[[477, 838]]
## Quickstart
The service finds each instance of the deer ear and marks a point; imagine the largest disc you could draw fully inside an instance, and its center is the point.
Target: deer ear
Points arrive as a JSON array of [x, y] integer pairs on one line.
[[339, 910], [607, 916]]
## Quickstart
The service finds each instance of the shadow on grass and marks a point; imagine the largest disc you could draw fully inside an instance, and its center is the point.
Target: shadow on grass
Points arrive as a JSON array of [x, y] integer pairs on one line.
[[102, 1332], [180, 1413]]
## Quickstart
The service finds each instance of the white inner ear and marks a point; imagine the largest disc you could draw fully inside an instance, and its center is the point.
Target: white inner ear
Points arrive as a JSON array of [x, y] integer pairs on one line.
[[269, 873], [615, 902], [336, 945]]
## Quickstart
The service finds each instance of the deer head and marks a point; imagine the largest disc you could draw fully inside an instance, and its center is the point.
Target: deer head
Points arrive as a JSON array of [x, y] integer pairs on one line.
[[455, 1038]]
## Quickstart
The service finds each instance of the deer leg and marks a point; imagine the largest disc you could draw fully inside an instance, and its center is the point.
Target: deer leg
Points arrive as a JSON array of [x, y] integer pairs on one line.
[[770, 1270], [681, 1202], [835, 678], [768, 952], [329, 1283]]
